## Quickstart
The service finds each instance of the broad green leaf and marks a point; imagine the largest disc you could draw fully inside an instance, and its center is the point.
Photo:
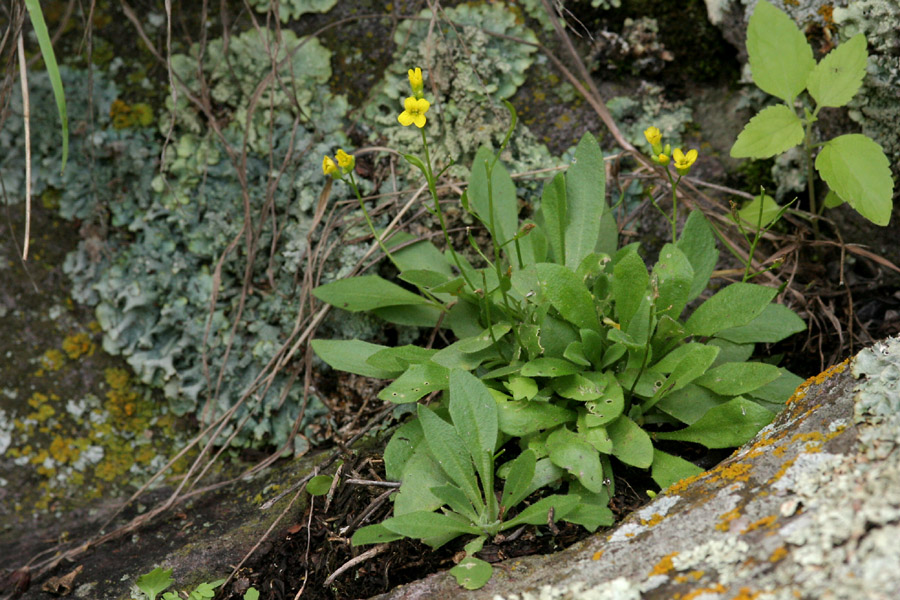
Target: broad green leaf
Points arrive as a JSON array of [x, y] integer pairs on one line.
[[597, 437], [575, 353], [732, 379], [418, 256], [691, 366], [577, 387], [450, 452], [533, 246], [46, 44], [420, 315], [417, 382], [585, 200], [631, 444], [567, 293], [424, 525], [667, 363], [675, 276], [463, 319], [319, 485], [520, 418], [472, 573], [699, 246], [779, 390], [474, 414], [689, 403], [374, 534], [730, 352], [593, 509], [398, 358], [750, 212], [366, 292], [733, 306], [155, 581], [424, 278], [629, 287], [400, 448], [775, 323], [592, 344], [520, 475], [607, 408], [521, 388], [454, 497], [502, 195], [545, 474], [553, 212], [725, 426], [832, 200], [569, 451], [856, 168], [420, 473], [556, 335], [548, 367], [668, 469], [352, 356], [537, 513], [780, 57], [772, 131], [837, 78], [251, 594]]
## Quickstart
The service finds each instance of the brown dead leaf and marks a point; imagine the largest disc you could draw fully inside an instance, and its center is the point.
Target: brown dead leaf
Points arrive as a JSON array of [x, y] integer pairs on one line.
[[61, 586]]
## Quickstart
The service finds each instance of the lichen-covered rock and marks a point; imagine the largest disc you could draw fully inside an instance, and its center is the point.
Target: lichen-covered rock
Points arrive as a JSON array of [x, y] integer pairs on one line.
[[808, 509]]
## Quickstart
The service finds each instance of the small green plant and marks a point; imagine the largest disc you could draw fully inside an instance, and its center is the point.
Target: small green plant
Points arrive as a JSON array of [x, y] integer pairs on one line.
[[157, 580], [853, 166]]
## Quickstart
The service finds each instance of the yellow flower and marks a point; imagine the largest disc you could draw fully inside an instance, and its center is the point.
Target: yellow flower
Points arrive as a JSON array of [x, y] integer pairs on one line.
[[653, 135], [661, 159], [415, 82], [684, 161], [329, 168], [346, 161], [415, 112]]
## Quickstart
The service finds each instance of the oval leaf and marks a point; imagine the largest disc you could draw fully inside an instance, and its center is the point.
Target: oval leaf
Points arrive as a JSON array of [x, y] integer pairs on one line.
[[567, 293], [837, 78], [774, 324], [472, 573], [631, 444], [585, 201], [319, 485], [780, 57], [736, 378], [366, 292], [575, 455], [668, 469], [772, 131], [733, 306], [725, 426], [856, 168]]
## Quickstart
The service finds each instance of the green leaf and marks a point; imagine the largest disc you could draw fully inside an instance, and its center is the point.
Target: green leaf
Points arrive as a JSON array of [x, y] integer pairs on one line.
[[733, 306], [366, 292], [524, 417], [585, 200], [521, 388], [454, 497], [772, 131], [731, 352], [629, 287], [421, 255], [548, 367], [553, 212], [537, 513], [856, 168], [400, 448], [450, 452], [779, 390], [251, 594], [420, 473], [732, 379], [631, 444], [689, 403], [575, 353], [567, 293], [46, 44], [569, 451], [837, 78], [668, 469], [352, 356], [674, 275], [424, 278], [398, 358], [417, 382], [421, 315], [832, 200], [607, 408], [423, 525], [725, 426], [503, 191], [155, 581], [474, 414], [472, 573], [580, 388], [319, 485], [593, 509], [374, 534], [699, 246], [692, 365], [750, 212], [780, 57], [775, 323], [521, 472]]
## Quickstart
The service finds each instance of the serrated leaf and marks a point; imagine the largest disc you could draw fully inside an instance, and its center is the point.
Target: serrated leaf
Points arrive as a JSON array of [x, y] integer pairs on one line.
[[668, 469], [631, 444], [472, 573], [732, 379], [319, 485], [450, 452], [366, 292], [725, 426], [520, 475], [569, 451], [775, 323], [772, 131], [417, 382], [352, 356], [585, 200], [733, 306], [837, 78], [567, 293], [856, 168], [780, 57], [698, 244]]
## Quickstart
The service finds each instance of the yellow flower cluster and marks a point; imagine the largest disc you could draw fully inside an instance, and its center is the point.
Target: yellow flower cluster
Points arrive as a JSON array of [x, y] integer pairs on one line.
[[345, 164], [415, 106], [661, 154]]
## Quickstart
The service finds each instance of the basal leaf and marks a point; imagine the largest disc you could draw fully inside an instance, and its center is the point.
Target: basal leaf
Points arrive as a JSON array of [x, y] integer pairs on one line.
[[450, 452], [837, 78], [397, 358], [502, 196], [454, 497], [732, 379], [424, 525], [416, 382], [629, 287], [690, 403], [780, 57], [577, 387], [567, 293], [698, 244], [515, 488], [725, 426], [400, 448], [472, 573], [733, 306], [421, 473], [374, 534], [155, 581], [366, 292], [856, 168], [553, 212], [775, 323], [593, 509], [352, 356], [548, 367], [772, 131], [523, 417], [778, 390], [631, 444], [474, 414], [585, 199], [319, 485], [569, 451], [668, 469], [538, 513], [675, 276]]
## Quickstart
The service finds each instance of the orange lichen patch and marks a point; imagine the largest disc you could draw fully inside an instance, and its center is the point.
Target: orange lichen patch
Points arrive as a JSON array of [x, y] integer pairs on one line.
[[757, 448], [716, 589], [689, 577], [680, 486], [727, 518], [737, 471], [787, 465], [803, 388], [597, 555], [745, 594], [664, 565], [766, 522], [826, 11], [779, 451], [779, 553], [41, 402], [656, 519], [125, 405], [53, 360], [78, 345], [64, 450]]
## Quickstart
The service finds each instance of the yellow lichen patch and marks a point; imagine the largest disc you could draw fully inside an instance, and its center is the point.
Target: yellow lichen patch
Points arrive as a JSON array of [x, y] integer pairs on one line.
[[64, 450], [52, 360], [779, 451], [745, 594], [78, 345], [737, 471], [803, 388], [716, 589], [779, 553], [766, 522], [656, 519], [689, 577], [125, 405], [727, 518], [787, 465], [680, 486], [757, 448], [597, 555], [664, 565]]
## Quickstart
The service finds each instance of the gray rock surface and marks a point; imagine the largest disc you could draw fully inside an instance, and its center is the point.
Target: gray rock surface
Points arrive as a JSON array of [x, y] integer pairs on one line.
[[808, 509]]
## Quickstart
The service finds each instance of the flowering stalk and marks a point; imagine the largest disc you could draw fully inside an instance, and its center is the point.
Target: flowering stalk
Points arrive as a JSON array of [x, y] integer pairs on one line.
[[683, 163]]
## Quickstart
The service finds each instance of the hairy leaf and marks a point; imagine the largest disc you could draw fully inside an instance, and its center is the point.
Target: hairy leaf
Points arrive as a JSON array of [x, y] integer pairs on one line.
[[725, 426]]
